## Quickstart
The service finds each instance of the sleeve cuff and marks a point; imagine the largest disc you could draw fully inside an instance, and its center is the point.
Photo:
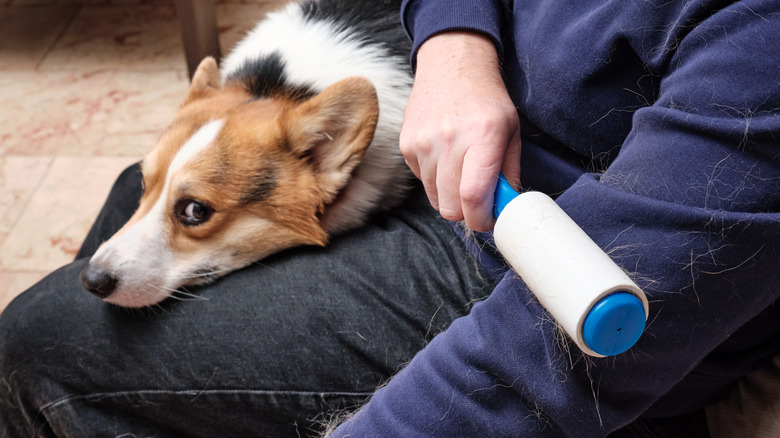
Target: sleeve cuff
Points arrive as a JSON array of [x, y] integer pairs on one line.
[[423, 19]]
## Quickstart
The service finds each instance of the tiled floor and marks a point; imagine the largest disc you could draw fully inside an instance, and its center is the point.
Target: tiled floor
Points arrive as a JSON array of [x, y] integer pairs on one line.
[[85, 88]]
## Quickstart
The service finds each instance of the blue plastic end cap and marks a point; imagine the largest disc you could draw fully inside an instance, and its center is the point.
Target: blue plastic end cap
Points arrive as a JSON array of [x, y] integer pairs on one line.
[[504, 194], [614, 324]]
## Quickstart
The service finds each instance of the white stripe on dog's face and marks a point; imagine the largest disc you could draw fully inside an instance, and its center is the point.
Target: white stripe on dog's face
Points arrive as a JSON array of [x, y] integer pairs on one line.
[[140, 256], [203, 138]]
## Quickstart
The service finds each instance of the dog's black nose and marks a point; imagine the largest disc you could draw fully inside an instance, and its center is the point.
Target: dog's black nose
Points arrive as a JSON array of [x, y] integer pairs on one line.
[[98, 281]]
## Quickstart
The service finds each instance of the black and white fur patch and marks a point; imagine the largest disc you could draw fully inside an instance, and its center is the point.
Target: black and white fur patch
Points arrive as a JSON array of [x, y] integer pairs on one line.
[[306, 46]]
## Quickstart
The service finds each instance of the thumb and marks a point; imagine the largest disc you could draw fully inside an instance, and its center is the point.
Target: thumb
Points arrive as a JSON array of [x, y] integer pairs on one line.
[[511, 164]]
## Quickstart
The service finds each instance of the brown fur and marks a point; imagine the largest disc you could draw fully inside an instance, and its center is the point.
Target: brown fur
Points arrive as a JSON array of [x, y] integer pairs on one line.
[[309, 150]]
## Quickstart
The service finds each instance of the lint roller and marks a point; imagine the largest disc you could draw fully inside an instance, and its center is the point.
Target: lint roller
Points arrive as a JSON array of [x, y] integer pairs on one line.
[[590, 297]]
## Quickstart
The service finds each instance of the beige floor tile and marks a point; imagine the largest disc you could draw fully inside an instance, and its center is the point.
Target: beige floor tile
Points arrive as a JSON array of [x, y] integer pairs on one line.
[[133, 145], [38, 111], [137, 37], [14, 283], [112, 113], [55, 221], [26, 34], [19, 176]]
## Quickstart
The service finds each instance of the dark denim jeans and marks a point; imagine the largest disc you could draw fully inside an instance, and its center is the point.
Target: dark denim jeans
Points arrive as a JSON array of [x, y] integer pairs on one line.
[[270, 351], [274, 350]]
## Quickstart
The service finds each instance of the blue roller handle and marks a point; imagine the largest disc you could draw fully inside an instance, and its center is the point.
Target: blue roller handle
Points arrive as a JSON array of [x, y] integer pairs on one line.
[[616, 322]]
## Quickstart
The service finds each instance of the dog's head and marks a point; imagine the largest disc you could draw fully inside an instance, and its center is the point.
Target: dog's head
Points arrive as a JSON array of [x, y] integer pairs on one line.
[[233, 179]]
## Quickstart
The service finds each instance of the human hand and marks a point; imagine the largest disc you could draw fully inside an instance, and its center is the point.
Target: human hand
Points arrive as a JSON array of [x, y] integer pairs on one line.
[[461, 127]]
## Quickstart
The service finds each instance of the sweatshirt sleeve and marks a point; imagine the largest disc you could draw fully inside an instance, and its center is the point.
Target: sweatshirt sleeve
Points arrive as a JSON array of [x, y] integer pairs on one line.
[[691, 208], [424, 18]]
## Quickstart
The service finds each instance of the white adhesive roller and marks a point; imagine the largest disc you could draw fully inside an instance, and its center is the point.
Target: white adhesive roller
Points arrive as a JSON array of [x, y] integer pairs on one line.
[[590, 297]]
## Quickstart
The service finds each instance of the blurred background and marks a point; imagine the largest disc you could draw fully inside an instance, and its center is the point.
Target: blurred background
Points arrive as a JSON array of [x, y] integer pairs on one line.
[[86, 87]]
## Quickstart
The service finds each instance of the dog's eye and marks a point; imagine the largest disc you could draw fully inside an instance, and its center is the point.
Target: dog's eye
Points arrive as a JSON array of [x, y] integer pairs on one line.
[[192, 212]]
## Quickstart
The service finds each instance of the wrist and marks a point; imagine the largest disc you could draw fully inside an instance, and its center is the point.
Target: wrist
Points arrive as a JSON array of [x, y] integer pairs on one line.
[[459, 53]]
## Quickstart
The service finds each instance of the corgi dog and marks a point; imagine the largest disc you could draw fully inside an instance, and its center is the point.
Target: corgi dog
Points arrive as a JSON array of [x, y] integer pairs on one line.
[[293, 141]]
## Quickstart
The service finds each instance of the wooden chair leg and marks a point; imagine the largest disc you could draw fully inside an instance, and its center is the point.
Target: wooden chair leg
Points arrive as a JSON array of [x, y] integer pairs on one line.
[[198, 22]]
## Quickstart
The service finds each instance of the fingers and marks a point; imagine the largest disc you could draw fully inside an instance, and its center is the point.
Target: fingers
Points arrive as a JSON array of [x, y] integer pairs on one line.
[[421, 155], [511, 162], [459, 172], [481, 166], [448, 178], [477, 186]]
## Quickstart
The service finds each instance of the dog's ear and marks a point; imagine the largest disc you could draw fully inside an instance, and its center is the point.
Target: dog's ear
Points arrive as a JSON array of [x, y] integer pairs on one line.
[[334, 129], [205, 79]]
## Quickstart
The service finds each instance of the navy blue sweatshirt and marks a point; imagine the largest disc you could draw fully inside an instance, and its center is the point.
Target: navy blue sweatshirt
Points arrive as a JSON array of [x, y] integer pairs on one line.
[[657, 126]]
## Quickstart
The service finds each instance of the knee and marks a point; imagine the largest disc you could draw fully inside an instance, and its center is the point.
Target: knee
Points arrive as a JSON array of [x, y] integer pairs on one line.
[[38, 327], [32, 354]]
